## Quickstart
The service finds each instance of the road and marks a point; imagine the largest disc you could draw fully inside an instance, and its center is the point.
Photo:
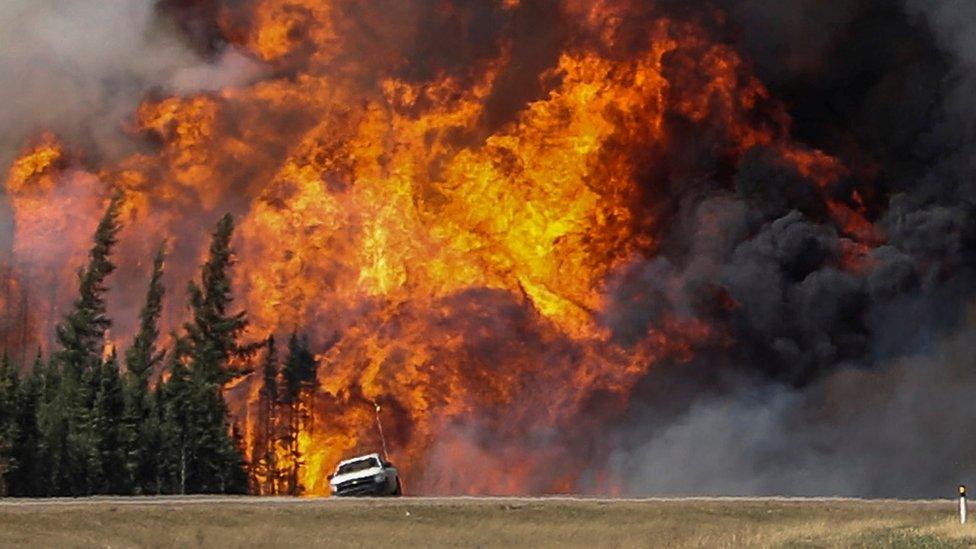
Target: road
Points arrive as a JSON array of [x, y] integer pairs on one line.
[[433, 500]]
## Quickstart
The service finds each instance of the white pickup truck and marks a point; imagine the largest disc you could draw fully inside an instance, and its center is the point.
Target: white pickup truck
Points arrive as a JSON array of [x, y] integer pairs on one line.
[[368, 475]]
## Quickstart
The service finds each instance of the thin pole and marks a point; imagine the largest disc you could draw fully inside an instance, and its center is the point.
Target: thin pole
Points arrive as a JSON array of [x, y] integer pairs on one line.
[[379, 425], [962, 504]]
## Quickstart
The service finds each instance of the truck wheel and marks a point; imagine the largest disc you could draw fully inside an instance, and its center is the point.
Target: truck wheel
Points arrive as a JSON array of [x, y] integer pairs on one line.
[[397, 491]]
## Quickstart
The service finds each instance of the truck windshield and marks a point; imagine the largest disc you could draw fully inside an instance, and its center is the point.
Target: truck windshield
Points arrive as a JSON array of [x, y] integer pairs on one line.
[[358, 465]]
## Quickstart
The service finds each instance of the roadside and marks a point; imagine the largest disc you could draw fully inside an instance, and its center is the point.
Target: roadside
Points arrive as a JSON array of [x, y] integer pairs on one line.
[[484, 522]]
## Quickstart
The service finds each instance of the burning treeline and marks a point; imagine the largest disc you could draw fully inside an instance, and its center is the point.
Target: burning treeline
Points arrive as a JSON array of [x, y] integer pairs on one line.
[[498, 221]]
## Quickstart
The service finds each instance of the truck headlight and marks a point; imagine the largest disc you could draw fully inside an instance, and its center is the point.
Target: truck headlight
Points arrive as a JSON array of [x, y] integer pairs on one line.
[[379, 478]]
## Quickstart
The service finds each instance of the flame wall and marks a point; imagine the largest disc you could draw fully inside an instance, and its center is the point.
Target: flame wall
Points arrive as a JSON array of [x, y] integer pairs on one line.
[[515, 224]]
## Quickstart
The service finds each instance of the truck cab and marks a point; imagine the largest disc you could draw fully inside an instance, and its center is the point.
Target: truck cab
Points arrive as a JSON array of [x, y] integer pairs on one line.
[[367, 475]]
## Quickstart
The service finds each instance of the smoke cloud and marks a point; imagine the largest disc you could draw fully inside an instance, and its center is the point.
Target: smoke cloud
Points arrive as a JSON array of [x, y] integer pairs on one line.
[[838, 382], [79, 68], [899, 431]]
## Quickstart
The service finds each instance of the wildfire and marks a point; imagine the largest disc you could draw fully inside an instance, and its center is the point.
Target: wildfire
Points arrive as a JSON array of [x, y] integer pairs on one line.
[[461, 267]]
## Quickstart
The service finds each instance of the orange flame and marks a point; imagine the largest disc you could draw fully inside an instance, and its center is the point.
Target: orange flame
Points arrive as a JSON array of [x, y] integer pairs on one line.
[[463, 267]]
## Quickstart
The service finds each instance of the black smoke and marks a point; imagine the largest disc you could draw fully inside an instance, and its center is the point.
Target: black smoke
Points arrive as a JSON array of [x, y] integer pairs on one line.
[[837, 381]]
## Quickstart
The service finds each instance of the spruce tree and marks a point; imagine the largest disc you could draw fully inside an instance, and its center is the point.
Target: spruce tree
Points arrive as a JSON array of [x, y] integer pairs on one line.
[[214, 331], [27, 478], [109, 459], [59, 463], [81, 335], [300, 369], [8, 423], [269, 380], [173, 401], [52, 429], [202, 453], [81, 338], [299, 378], [143, 355], [265, 471], [141, 422], [220, 466], [150, 474]]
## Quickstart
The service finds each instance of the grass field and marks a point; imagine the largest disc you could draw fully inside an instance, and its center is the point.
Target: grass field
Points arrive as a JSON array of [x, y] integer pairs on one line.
[[470, 522]]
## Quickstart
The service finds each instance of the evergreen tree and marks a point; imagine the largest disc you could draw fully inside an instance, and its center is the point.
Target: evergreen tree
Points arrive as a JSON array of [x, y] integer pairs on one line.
[[27, 478], [265, 470], [220, 466], [52, 419], [269, 380], [8, 423], [50, 377], [202, 453], [300, 369], [214, 331], [141, 420], [81, 335], [235, 481], [143, 355], [141, 436], [150, 479], [299, 379], [76, 425], [108, 460], [173, 400]]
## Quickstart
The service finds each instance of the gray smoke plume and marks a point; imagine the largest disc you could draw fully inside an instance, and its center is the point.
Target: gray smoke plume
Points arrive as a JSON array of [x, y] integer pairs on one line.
[[904, 430], [80, 67]]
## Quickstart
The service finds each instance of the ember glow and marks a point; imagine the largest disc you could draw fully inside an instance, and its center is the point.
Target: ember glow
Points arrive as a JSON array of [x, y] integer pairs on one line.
[[453, 238]]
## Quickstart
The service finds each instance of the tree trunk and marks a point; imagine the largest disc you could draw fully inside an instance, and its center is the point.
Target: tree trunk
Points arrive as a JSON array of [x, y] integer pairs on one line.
[[183, 469]]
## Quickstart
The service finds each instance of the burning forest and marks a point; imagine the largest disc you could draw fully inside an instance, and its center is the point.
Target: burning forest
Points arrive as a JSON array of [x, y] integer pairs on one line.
[[607, 247]]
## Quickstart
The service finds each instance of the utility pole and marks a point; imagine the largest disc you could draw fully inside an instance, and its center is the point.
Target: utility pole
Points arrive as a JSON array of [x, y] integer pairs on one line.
[[379, 426]]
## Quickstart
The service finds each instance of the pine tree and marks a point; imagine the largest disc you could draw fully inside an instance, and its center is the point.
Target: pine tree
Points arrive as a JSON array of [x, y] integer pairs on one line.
[[107, 430], [141, 437], [269, 380], [150, 480], [299, 378], [8, 423], [173, 400], [143, 355], [223, 469], [27, 478], [52, 419], [202, 453], [81, 335], [141, 422], [214, 331], [235, 481], [50, 377], [265, 470]]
